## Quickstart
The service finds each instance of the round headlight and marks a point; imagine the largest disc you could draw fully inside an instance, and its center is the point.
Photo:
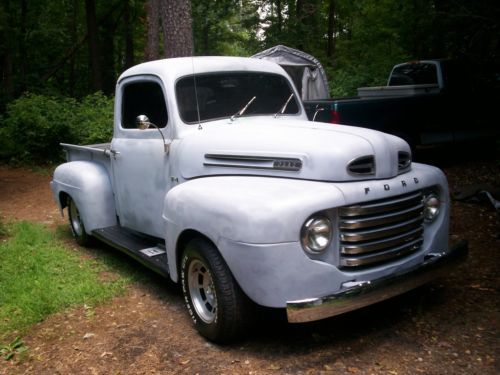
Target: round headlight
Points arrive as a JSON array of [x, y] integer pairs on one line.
[[431, 207], [316, 234]]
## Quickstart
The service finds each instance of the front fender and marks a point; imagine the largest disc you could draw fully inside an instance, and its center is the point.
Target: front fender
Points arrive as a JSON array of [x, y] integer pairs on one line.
[[252, 210], [89, 185]]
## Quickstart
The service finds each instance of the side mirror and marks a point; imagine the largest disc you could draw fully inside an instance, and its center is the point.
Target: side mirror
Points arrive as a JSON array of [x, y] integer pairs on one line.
[[142, 122]]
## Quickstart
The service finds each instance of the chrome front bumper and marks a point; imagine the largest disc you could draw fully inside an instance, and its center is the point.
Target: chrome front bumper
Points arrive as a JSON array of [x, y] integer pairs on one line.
[[364, 293]]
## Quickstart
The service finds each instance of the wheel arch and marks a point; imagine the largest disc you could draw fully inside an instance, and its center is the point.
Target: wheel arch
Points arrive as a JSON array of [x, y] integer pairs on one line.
[[63, 199], [183, 239], [89, 185]]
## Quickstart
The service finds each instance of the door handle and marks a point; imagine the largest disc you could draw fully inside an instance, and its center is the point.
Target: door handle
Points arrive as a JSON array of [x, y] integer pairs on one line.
[[112, 152]]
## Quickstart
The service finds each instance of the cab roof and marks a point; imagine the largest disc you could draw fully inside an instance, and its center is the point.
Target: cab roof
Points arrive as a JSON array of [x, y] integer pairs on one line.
[[183, 66]]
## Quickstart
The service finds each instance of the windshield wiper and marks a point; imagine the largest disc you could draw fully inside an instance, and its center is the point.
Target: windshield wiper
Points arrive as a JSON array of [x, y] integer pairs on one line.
[[243, 110], [283, 109]]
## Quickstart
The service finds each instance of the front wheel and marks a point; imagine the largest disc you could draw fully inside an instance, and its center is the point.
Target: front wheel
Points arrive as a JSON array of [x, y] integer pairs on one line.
[[216, 303], [76, 224]]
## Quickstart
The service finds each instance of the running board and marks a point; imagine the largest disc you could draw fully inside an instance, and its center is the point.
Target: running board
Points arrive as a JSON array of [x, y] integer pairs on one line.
[[147, 250]]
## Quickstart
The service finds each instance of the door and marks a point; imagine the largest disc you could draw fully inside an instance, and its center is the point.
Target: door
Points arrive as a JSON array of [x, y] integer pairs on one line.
[[139, 162]]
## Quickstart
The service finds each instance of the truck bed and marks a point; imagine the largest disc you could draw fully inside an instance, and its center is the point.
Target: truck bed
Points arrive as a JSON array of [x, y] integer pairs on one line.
[[98, 153]]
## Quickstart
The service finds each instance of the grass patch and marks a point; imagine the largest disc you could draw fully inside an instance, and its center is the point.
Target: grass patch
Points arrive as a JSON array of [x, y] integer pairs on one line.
[[3, 228], [40, 276]]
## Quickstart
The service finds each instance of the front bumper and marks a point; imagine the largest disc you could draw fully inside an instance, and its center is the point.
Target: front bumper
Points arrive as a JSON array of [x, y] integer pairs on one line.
[[364, 293]]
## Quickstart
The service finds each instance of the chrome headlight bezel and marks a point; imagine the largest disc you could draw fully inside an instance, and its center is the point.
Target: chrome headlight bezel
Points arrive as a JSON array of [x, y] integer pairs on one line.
[[432, 207], [316, 234]]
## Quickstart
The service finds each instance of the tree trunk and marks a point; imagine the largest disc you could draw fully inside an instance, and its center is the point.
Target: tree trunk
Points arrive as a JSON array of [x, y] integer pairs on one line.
[[152, 24], [107, 58], [129, 41], [331, 29], [299, 9], [22, 45], [177, 28], [6, 48], [299, 26], [280, 16], [206, 30], [74, 41], [93, 43]]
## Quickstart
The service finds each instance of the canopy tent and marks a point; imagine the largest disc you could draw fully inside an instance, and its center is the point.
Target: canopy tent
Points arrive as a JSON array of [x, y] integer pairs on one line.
[[305, 70]]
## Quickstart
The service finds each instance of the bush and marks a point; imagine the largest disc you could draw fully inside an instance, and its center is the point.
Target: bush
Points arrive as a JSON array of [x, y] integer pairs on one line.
[[34, 125], [93, 120]]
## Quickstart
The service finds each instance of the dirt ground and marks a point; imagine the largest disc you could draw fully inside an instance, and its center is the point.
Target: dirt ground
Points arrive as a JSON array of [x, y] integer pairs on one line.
[[448, 327]]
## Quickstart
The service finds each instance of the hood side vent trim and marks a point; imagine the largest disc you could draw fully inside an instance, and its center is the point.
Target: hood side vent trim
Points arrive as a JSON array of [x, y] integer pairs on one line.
[[362, 166], [253, 162]]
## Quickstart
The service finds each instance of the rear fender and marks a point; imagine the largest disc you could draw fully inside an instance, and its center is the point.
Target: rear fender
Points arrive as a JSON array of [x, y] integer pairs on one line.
[[89, 185]]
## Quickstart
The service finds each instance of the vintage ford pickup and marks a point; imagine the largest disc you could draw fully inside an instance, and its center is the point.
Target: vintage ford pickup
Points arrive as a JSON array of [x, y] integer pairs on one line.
[[215, 179]]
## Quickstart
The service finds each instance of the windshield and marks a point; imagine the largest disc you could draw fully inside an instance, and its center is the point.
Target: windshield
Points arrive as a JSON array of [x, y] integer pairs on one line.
[[224, 94]]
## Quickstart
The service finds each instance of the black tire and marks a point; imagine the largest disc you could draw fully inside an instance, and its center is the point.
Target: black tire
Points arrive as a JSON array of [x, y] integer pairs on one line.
[[76, 224], [217, 305]]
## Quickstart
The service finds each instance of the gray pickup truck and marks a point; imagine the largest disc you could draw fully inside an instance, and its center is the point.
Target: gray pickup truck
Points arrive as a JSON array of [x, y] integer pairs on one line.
[[215, 179]]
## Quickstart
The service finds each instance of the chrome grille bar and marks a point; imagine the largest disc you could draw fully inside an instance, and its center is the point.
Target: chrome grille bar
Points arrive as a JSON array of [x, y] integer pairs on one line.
[[366, 247], [391, 254], [380, 231], [381, 206], [373, 221]]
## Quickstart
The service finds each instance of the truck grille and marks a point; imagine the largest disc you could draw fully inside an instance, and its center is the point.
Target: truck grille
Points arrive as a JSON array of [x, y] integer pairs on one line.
[[380, 231]]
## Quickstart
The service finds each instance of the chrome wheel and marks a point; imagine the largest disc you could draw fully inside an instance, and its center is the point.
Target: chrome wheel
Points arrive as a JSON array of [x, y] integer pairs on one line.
[[218, 307], [76, 224], [202, 291], [75, 219]]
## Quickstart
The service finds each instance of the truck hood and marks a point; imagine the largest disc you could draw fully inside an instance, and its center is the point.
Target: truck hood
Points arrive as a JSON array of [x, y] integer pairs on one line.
[[294, 149]]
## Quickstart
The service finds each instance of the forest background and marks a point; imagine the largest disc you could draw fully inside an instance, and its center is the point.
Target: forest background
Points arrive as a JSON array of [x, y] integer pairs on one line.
[[59, 59]]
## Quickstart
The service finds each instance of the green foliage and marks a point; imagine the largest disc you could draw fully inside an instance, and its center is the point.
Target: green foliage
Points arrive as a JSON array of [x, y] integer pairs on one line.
[[225, 27], [370, 41], [369, 37], [10, 350], [39, 276], [93, 121], [34, 125]]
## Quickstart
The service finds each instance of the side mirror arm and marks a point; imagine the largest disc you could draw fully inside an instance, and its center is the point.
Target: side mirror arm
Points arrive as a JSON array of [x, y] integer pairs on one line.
[[142, 122]]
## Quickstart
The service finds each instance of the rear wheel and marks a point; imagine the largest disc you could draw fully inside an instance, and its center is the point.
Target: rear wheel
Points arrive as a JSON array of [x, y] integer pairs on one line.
[[76, 224], [216, 303]]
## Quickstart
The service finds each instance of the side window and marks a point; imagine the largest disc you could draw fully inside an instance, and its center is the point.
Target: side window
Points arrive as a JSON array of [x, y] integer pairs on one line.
[[143, 98]]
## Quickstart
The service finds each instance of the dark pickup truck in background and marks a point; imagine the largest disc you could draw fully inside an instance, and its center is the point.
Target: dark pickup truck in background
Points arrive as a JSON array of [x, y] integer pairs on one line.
[[425, 102]]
